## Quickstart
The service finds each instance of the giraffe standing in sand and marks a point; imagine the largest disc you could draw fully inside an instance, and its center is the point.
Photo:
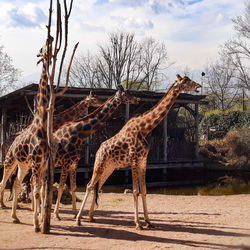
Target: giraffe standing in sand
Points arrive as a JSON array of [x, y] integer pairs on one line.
[[71, 136], [30, 149], [129, 147]]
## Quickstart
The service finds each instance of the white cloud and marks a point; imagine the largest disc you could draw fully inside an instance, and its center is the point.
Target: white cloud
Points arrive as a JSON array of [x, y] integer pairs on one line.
[[192, 29]]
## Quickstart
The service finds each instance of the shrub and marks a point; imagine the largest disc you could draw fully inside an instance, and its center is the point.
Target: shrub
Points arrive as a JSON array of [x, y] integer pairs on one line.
[[239, 141], [223, 122]]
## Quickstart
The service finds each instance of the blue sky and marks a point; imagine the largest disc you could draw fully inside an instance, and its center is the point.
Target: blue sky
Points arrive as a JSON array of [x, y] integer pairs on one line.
[[193, 30]]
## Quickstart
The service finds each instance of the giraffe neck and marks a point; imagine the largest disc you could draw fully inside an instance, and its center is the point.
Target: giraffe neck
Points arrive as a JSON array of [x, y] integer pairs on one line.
[[152, 118], [89, 124], [42, 96], [69, 114]]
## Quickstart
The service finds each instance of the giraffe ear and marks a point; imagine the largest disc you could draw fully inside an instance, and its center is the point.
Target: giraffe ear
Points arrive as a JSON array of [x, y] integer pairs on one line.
[[91, 93], [179, 77]]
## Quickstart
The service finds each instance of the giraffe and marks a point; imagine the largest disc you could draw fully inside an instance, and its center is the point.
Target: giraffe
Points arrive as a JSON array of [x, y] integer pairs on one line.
[[71, 136], [129, 147], [30, 149], [70, 114]]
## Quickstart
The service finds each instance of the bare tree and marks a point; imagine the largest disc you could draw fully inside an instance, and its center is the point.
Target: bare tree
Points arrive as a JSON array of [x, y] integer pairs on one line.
[[54, 93], [123, 60], [115, 63], [84, 72], [238, 48], [222, 84], [155, 60], [8, 73]]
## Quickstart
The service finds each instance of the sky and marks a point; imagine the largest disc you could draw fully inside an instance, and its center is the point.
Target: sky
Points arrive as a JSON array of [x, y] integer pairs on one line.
[[192, 30]]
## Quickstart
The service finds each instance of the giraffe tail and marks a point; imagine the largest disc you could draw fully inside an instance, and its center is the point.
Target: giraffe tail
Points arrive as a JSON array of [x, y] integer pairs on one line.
[[96, 193]]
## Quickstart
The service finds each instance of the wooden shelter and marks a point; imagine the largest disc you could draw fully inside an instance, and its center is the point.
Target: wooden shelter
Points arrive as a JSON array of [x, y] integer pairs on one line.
[[174, 143]]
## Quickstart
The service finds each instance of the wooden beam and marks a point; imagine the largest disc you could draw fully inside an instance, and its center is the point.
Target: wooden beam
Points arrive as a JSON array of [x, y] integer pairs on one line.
[[197, 131], [86, 158], [3, 133]]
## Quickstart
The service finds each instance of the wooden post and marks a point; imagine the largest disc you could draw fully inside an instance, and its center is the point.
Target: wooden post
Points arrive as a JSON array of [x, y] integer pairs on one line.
[[165, 139], [127, 112], [3, 133], [197, 131], [165, 147], [126, 119], [86, 159]]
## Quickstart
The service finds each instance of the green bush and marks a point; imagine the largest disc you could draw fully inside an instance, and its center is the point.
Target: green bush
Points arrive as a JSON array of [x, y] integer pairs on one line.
[[223, 122]]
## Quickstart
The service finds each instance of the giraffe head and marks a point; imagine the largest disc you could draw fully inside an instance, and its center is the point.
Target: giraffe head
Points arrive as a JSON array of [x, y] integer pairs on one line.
[[92, 100], [44, 53], [126, 97], [186, 84]]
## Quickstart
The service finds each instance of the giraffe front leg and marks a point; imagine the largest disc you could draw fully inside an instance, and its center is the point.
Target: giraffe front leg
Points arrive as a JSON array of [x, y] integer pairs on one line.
[[63, 178], [73, 188], [142, 173], [36, 197], [136, 194]]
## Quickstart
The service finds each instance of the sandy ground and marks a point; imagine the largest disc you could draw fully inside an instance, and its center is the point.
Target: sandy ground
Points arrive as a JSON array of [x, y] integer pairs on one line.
[[182, 222]]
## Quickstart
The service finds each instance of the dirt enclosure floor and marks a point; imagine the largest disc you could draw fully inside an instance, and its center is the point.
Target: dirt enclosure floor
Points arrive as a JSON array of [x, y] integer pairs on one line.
[[181, 222]]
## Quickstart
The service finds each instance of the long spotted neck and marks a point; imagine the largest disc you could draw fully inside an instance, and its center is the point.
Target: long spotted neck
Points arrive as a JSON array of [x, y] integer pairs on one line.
[[152, 118], [89, 124], [42, 96], [69, 114]]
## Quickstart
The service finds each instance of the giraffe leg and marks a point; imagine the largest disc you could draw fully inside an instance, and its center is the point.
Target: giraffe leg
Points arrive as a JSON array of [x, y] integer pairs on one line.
[[63, 178], [41, 201], [32, 190], [22, 171], [107, 172], [72, 175], [36, 197], [136, 194], [94, 179], [143, 189], [8, 170]]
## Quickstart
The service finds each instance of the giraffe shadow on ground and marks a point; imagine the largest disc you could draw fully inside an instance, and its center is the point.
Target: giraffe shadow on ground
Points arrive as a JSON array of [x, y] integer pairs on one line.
[[126, 219], [127, 235], [117, 218]]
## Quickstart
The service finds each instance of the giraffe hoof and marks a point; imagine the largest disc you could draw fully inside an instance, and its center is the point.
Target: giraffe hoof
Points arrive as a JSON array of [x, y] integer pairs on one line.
[[37, 229], [149, 225], [78, 222], [16, 220], [3, 206], [91, 219], [139, 227], [58, 217]]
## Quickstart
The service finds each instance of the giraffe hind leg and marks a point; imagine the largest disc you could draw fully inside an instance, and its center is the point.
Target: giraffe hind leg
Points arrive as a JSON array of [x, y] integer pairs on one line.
[[107, 172], [97, 173]]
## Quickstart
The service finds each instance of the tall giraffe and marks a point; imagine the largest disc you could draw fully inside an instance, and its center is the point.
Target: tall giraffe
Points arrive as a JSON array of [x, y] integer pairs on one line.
[[30, 149], [72, 135], [129, 147]]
